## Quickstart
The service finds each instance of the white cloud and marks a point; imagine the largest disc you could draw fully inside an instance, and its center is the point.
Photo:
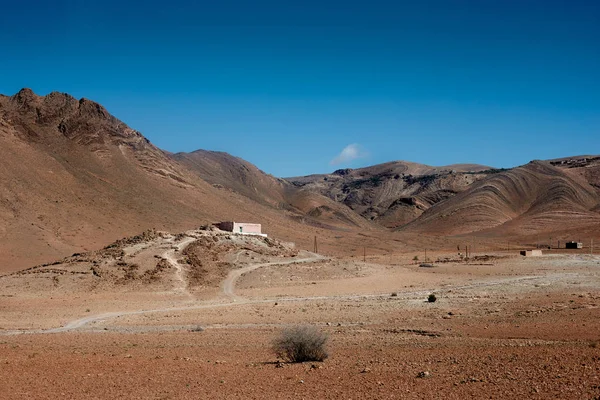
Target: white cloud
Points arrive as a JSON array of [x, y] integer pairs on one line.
[[350, 153]]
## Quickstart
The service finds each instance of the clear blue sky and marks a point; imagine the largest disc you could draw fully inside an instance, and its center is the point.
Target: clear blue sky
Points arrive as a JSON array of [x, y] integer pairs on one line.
[[289, 85]]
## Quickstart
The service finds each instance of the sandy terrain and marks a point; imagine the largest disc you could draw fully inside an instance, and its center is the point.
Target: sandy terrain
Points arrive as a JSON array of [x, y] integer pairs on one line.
[[503, 326]]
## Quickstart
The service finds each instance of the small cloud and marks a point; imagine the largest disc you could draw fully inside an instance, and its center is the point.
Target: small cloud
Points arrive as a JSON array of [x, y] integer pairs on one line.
[[350, 153]]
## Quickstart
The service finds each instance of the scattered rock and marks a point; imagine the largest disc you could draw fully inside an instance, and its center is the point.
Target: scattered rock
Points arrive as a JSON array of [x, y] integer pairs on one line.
[[423, 374]]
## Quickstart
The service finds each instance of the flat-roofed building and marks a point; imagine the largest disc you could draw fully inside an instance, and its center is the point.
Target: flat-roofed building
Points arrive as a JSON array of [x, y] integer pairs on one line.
[[531, 253], [244, 228]]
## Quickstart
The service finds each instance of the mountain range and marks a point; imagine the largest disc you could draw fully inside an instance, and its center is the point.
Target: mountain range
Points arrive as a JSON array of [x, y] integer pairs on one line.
[[73, 177]]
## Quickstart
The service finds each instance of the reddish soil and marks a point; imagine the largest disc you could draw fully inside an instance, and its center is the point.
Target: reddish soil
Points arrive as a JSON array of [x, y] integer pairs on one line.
[[503, 327]]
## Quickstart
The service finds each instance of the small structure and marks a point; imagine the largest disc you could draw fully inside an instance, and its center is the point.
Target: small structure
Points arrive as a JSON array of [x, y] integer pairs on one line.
[[531, 253], [573, 245], [244, 228]]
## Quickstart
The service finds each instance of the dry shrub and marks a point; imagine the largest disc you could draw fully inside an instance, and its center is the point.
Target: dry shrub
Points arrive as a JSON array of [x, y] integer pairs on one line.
[[300, 344]]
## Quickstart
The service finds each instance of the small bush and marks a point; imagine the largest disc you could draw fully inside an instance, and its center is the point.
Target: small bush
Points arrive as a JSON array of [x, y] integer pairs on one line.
[[431, 298], [416, 258], [197, 328], [300, 344]]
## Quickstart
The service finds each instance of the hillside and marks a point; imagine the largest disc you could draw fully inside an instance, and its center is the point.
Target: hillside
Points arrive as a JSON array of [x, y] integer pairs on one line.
[[74, 178], [239, 176], [224, 170], [531, 199], [394, 193]]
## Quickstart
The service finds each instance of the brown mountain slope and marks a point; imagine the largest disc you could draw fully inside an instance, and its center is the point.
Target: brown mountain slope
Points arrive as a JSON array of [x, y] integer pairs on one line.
[[73, 177], [223, 169], [582, 167], [394, 193], [534, 198], [233, 173]]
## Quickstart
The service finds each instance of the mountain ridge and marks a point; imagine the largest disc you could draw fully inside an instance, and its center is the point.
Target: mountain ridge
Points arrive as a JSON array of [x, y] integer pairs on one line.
[[74, 177]]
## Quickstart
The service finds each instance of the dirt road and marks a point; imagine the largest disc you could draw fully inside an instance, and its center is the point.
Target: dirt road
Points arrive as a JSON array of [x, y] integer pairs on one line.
[[228, 289], [169, 255], [228, 285]]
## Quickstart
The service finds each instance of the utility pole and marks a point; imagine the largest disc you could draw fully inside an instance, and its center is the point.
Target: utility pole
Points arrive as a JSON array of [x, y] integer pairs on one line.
[[591, 246], [425, 255], [316, 248], [364, 254]]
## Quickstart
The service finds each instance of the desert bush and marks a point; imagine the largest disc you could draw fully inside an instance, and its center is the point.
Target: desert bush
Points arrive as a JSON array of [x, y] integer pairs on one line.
[[197, 328], [300, 344], [431, 298]]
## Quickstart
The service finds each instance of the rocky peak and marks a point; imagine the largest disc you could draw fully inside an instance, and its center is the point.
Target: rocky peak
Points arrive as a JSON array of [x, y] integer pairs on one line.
[[89, 108], [24, 97]]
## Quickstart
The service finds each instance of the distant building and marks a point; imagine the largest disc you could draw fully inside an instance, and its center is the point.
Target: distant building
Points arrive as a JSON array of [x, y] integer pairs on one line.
[[573, 245], [244, 228], [531, 253]]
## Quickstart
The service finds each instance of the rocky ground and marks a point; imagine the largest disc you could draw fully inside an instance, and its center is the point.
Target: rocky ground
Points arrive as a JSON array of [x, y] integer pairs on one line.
[[503, 326]]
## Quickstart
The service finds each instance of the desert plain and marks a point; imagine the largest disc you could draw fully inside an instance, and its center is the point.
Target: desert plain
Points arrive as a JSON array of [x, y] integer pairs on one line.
[[115, 282], [136, 320]]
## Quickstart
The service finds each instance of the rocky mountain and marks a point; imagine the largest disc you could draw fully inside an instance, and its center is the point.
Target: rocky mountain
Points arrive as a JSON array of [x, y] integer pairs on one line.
[[395, 193], [232, 173], [537, 197], [74, 178]]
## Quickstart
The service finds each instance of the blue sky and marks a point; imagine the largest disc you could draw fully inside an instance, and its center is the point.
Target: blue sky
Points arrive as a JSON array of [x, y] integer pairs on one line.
[[289, 85]]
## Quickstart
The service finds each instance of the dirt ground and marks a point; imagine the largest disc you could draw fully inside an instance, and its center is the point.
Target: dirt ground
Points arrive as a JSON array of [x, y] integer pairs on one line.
[[502, 327]]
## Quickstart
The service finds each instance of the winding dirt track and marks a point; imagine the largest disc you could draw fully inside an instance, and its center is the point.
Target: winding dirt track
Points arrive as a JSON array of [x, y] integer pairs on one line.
[[228, 289], [79, 323], [169, 255], [228, 285]]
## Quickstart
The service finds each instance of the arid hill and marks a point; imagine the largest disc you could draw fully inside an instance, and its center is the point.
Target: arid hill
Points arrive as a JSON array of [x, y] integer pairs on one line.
[[74, 178], [226, 171], [531, 199], [394, 193]]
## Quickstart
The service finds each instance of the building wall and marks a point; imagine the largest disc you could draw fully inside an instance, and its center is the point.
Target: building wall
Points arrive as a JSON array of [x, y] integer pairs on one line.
[[240, 227], [245, 227], [574, 245], [531, 253]]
